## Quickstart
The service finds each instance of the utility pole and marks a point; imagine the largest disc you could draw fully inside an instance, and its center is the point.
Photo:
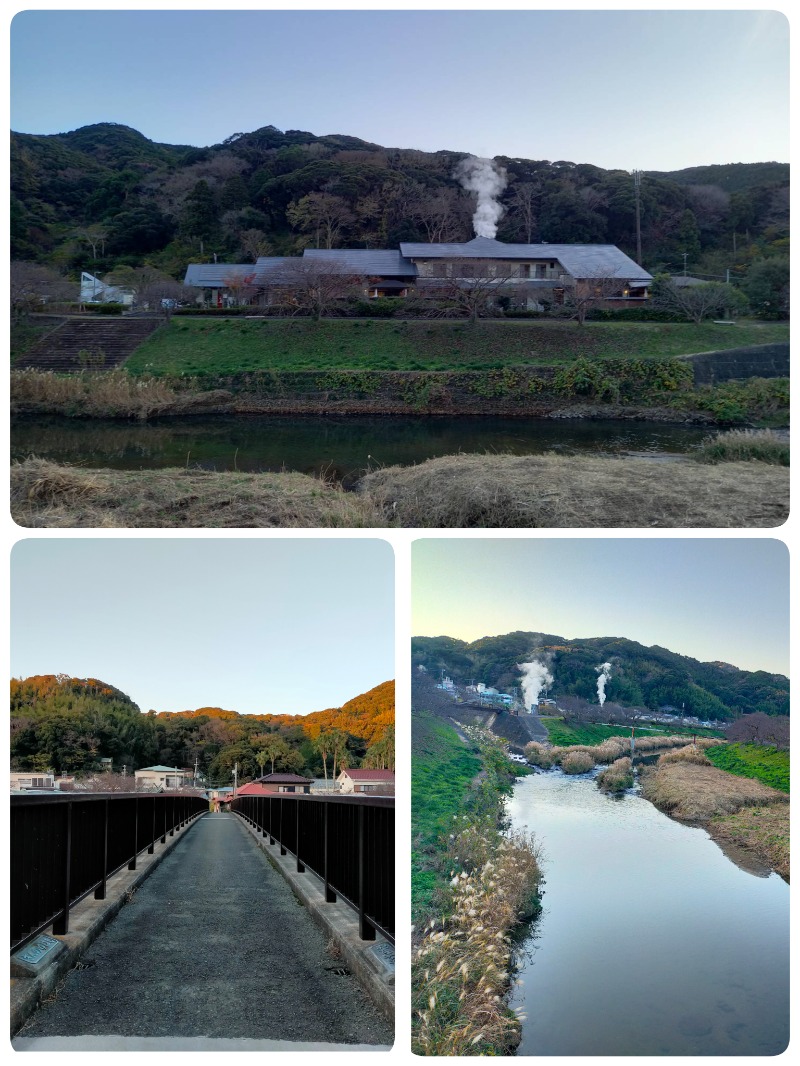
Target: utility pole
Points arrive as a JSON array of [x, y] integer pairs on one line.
[[637, 187], [685, 257], [235, 776]]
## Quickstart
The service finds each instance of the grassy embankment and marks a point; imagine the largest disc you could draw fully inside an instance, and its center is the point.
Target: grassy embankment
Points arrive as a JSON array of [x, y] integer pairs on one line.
[[594, 733], [733, 804], [199, 346], [471, 884], [466, 491]]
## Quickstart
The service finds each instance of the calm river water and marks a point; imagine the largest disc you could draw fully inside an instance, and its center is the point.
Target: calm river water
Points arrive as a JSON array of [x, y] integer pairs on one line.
[[652, 942], [343, 447]]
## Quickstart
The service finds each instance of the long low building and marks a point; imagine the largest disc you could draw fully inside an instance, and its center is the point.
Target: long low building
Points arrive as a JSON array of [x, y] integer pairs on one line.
[[525, 275]]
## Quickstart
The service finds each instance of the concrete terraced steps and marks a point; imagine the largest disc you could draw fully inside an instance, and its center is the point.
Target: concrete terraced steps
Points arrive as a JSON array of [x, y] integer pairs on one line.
[[108, 340]]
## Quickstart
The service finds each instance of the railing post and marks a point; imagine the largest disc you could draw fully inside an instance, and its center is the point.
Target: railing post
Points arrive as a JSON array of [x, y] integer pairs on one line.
[[330, 895], [281, 804], [61, 923], [164, 834], [151, 849], [300, 867], [271, 834], [262, 822], [172, 816], [132, 863], [366, 930], [100, 891]]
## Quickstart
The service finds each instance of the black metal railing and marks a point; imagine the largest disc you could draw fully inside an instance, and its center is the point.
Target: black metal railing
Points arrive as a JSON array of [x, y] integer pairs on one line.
[[64, 847], [347, 842]]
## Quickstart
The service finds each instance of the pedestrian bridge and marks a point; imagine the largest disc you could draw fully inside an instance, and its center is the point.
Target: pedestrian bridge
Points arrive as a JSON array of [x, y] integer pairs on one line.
[[216, 948]]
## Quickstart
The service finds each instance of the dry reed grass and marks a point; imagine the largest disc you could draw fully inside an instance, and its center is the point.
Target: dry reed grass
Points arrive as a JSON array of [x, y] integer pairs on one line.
[[576, 762], [690, 753], [112, 394], [462, 969], [502, 491], [538, 755], [696, 793], [745, 445], [617, 777], [45, 494]]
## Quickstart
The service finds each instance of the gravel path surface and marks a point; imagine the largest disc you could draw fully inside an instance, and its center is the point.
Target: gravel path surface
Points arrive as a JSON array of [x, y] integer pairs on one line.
[[213, 944]]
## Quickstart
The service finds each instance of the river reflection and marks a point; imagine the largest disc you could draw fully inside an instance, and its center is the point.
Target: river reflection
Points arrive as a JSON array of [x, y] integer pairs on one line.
[[652, 942], [344, 448]]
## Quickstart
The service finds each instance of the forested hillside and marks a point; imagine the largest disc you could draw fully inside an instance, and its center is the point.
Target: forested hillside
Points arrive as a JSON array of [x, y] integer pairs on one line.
[[69, 724], [104, 197], [639, 676]]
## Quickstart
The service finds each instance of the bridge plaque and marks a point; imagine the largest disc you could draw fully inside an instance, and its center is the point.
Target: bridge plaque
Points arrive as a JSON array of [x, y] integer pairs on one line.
[[36, 955]]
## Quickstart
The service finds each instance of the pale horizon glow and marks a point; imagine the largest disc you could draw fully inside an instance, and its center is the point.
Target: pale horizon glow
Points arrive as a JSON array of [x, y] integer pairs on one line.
[[621, 89], [258, 626], [710, 599]]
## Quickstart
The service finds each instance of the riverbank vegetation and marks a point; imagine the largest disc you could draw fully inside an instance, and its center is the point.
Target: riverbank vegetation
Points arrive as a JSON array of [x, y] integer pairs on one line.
[[499, 491], [658, 389], [730, 807], [472, 882], [489, 883], [744, 445], [466, 491], [617, 777], [45, 494]]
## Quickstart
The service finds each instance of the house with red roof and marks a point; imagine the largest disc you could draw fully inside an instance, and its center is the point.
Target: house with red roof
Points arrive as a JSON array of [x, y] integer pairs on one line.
[[377, 781]]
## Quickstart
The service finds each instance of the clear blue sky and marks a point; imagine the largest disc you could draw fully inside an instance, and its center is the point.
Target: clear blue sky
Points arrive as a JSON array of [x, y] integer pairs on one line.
[[250, 625], [621, 89], [713, 599]]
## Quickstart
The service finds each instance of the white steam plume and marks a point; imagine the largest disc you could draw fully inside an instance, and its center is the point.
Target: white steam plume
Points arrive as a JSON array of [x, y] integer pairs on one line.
[[487, 180], [535, 676], [604, 673]]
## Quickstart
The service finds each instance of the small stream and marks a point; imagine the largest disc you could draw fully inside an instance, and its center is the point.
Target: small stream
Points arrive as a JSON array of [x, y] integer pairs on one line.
[[341, 447], [652, 941]]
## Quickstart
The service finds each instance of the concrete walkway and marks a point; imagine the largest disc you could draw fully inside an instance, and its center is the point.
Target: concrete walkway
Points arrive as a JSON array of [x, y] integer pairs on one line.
[[213, 945]]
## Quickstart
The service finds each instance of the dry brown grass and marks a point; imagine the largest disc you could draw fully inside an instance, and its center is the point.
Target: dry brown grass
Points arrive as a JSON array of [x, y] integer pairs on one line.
[[688, 754], [576, 762], [112, 394], [695, 793], [538, 755], [762, 830], [49, 494], [616, 777], [501, 491]]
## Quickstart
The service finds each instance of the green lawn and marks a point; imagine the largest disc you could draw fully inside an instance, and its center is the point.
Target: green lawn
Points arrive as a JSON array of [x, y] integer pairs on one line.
[[442, 768], [562, 734], [768, 765], [198, 345]]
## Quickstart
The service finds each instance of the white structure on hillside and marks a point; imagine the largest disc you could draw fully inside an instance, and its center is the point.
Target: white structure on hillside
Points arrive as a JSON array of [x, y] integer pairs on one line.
[[95, 291]]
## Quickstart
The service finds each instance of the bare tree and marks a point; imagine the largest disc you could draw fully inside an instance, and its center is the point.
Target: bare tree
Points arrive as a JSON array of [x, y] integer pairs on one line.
[[471, 287], [33, 286], [442, 215], [321, 216], [522, 208], [760, 728], [95, 236], [254, 243], [589, 292], [313, 286], [697, 302], [242, 287]]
